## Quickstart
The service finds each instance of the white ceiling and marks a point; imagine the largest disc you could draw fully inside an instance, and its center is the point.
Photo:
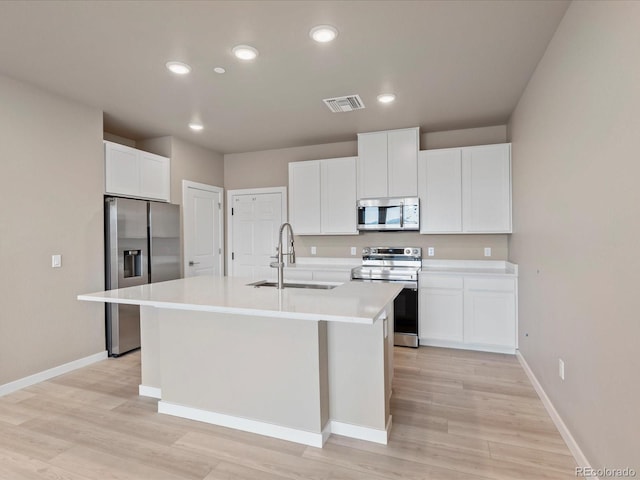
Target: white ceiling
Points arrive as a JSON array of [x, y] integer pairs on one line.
[[452, 64]]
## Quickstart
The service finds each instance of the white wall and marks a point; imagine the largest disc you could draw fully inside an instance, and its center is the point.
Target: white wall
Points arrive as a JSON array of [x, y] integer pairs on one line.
[[575, 135], [51, 188]]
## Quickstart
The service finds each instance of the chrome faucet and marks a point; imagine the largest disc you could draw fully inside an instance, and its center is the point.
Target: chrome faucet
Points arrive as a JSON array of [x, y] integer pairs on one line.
[[280, 256]]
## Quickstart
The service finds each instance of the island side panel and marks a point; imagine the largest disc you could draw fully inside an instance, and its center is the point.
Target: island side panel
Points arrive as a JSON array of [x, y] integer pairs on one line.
[[149, 352], [259, 368], [359, 383]]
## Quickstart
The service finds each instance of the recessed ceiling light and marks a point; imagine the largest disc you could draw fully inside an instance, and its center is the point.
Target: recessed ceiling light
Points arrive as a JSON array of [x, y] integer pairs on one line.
[[219, 70], [245, 52], [178, 68], [323, 33], [196, 126], [386, 97]]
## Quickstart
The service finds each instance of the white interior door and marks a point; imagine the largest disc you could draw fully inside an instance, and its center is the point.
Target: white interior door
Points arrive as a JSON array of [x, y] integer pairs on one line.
[[203, 233], [254, 223]]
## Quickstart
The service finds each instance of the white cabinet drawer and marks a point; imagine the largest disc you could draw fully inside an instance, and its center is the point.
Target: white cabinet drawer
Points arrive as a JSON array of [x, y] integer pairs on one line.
[[293, 274], [337, 276], [440, 281], [490, 284]]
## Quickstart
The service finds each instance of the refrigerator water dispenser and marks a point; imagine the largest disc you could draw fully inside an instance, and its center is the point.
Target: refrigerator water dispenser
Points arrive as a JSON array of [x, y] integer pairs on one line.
[[132, 263]]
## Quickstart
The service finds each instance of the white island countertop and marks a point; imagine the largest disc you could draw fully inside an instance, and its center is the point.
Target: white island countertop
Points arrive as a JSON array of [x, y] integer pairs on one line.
[[350, 302]]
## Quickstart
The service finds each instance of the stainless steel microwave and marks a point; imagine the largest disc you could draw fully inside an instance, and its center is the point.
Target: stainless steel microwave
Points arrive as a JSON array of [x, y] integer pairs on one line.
[[389, 214]]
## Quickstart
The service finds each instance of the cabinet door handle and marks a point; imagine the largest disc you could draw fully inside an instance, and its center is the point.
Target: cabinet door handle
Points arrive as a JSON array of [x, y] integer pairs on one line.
[[192, 263]]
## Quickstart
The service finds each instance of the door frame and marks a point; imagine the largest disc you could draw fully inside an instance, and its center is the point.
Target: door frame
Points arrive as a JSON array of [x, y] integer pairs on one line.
[[186, 184], [251, 191]]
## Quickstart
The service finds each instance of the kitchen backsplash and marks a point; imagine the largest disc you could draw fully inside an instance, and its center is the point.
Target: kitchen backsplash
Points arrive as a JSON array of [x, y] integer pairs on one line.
[[454, 247]]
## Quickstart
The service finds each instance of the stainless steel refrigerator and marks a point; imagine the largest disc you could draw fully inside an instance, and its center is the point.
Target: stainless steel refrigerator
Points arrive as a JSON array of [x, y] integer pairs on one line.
[[142, 245]]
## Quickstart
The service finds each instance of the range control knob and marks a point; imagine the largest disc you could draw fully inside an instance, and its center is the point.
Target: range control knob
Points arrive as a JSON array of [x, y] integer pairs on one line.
[[407, 251], [415, 251], [365, 251], [374, 250]]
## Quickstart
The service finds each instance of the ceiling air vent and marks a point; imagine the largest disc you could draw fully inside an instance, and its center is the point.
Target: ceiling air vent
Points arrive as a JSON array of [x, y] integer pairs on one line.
[[344, 104]]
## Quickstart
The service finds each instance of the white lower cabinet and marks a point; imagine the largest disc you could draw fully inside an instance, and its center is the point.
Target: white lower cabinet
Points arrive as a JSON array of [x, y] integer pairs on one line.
[[490, 312], [441, 308], [468, 311], [318, 275], [332, 276], [294, 274]]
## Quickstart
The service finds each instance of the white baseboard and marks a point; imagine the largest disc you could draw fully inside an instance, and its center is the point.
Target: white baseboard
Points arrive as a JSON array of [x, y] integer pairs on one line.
[[244, 424], [147, 391], [50, 373], [573, 446], [362, 433]]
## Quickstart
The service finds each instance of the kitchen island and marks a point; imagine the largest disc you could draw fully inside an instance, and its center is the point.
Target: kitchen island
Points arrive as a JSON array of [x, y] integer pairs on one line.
[[297, 364]]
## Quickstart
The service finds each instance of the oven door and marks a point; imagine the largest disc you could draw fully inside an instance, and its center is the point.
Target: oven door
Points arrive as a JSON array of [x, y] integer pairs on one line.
[[405, 318]]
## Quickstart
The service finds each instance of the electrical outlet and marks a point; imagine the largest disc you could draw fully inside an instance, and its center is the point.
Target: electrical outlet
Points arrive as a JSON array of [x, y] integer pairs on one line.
[[561, 368], [431, 251], [354, 250], [487, 251], [314, 250], [56, 261]]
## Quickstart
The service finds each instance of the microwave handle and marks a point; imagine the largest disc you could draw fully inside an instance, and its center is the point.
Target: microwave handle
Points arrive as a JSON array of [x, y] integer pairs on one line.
[[401, 214]]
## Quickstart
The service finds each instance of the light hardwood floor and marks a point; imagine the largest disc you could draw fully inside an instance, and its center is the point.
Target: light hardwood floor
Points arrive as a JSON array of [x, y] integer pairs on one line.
[[456, 415]]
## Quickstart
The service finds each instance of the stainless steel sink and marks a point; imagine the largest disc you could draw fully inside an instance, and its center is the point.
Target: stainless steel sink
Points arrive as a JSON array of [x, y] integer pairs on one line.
[[315, 286]]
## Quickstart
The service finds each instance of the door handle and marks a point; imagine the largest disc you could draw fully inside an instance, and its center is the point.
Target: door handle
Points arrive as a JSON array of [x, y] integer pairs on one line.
[[192, 263]]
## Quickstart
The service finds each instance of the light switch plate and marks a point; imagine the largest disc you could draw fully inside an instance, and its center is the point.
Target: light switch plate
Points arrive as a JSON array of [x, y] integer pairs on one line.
[[56, 261], [487, 251]]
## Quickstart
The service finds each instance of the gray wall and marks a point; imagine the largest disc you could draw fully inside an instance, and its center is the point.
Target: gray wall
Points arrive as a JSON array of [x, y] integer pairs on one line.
[[575, 138], [51, 187], [269, 168]]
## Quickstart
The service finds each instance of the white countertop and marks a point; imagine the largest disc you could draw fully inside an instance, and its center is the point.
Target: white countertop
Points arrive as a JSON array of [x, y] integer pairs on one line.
[[350, 302], [470, 267]]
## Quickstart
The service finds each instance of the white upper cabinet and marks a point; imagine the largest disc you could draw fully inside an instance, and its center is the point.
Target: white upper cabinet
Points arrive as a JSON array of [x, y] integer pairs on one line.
[[122, 172], [338, 197], [388, 163], [372, 165], [486, 189], [304, 197], [322, 197], [134, 173], [465, 190], [440, 185]]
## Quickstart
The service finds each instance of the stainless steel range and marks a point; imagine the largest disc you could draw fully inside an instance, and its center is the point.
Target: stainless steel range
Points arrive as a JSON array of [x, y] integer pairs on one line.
[[397, 265]]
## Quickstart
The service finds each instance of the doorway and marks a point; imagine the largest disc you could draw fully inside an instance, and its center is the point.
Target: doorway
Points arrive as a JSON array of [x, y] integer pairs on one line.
[[203, 229], [255, 216]]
